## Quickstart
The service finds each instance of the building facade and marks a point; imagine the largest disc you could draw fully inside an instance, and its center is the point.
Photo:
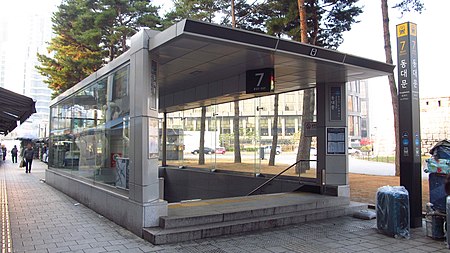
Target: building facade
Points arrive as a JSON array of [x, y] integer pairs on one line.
[[256, 118]]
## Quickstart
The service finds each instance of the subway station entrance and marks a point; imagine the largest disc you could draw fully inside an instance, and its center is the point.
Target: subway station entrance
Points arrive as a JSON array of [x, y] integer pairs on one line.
[[123, 141]]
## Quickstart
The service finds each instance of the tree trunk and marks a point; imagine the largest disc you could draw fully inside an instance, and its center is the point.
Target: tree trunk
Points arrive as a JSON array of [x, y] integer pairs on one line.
[[392, 84], [111, 53], [303, 25], [237, 144], [233, 17], [304, 146], [124, 43], [201, 150], [273, 151]]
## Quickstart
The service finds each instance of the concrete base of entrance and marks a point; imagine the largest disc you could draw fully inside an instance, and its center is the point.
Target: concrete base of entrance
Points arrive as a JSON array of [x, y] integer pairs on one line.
[[209, 218], [116, 207]]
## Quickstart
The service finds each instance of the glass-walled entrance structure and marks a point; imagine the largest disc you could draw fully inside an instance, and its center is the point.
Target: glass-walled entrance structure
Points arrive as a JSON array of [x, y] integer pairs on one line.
[[113, 135]]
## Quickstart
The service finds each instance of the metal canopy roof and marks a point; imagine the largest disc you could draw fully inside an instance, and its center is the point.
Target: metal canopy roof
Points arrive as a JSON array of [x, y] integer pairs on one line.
[[204, 64], [14, 107]]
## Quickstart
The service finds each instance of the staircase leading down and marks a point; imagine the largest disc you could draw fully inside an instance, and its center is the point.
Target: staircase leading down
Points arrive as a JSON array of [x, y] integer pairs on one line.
[[209, 218]]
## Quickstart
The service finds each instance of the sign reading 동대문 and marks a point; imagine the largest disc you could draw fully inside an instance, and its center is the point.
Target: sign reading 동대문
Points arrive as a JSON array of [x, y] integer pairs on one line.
[[408, 76], [409, 118]]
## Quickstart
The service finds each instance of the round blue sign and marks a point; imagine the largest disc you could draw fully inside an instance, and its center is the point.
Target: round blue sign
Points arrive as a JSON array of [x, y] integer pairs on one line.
[[405, 142]]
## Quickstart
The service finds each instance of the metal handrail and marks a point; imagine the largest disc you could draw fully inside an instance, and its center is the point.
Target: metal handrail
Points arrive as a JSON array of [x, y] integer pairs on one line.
[[277, 175]]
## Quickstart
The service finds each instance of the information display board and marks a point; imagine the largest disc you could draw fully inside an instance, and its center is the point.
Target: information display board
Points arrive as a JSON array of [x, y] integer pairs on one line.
[[335, 140]]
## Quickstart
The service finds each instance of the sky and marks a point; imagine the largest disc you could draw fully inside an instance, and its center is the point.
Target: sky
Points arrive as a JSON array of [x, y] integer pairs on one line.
[[366, 40]]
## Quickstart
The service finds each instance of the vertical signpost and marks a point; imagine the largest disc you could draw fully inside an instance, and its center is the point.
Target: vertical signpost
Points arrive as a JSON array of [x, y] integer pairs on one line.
[[409, 119]]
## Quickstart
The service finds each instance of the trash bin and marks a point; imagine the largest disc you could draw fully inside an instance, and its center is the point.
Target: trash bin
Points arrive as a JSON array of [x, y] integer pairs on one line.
[[393, 211], [435, 225], [261, 153]]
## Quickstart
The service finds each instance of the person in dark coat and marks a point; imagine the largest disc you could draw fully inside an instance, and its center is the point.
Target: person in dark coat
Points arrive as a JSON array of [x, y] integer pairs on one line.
[[28, 155], [14, 154], [4, 152]]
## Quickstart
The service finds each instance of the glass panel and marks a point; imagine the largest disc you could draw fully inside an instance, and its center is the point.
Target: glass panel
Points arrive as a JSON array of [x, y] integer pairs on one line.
[[84, 130], [90, 131], [255, 132], [175, 134], [186, 126], [116, 132], [65, 155], [120, 103], [58, 136]]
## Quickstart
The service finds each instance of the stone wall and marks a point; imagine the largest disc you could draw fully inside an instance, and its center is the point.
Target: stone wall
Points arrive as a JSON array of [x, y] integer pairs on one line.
[[434, 121]]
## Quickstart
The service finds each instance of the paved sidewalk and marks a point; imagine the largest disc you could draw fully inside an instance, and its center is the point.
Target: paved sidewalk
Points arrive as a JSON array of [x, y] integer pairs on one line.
[[43, 219]]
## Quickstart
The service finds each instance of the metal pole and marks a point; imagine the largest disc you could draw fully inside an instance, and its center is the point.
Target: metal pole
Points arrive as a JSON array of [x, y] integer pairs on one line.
[[164, 140]]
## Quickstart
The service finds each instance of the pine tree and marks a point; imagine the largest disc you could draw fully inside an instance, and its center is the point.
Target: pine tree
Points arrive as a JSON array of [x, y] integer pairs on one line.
[[88, 35], [203, 10]]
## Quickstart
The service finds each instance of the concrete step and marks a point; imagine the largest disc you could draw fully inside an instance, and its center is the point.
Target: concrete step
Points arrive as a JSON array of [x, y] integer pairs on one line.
[[230, 209], [158, 235], [203, 219]]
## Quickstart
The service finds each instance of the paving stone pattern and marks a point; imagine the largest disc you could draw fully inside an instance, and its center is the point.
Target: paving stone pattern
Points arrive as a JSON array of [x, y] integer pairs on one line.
[[46, 220]]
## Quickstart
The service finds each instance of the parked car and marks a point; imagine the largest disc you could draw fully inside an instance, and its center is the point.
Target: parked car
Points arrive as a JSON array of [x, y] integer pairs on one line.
[[353, 151], [268, 148], [206, 151], [221, 150]]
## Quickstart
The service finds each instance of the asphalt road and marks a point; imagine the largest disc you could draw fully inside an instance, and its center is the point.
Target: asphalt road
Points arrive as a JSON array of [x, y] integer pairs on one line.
[[358, 166]]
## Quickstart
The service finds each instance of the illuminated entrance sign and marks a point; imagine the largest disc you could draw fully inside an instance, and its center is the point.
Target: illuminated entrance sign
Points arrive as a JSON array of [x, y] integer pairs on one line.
[[260, 80]]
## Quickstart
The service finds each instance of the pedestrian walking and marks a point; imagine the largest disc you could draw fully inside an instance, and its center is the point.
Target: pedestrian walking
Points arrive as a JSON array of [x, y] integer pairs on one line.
[[4, 152], [14, 154], [28, 155]]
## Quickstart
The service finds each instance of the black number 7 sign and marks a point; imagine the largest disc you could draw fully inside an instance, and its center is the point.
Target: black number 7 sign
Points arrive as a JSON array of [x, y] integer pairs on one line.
[[260, 80]]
